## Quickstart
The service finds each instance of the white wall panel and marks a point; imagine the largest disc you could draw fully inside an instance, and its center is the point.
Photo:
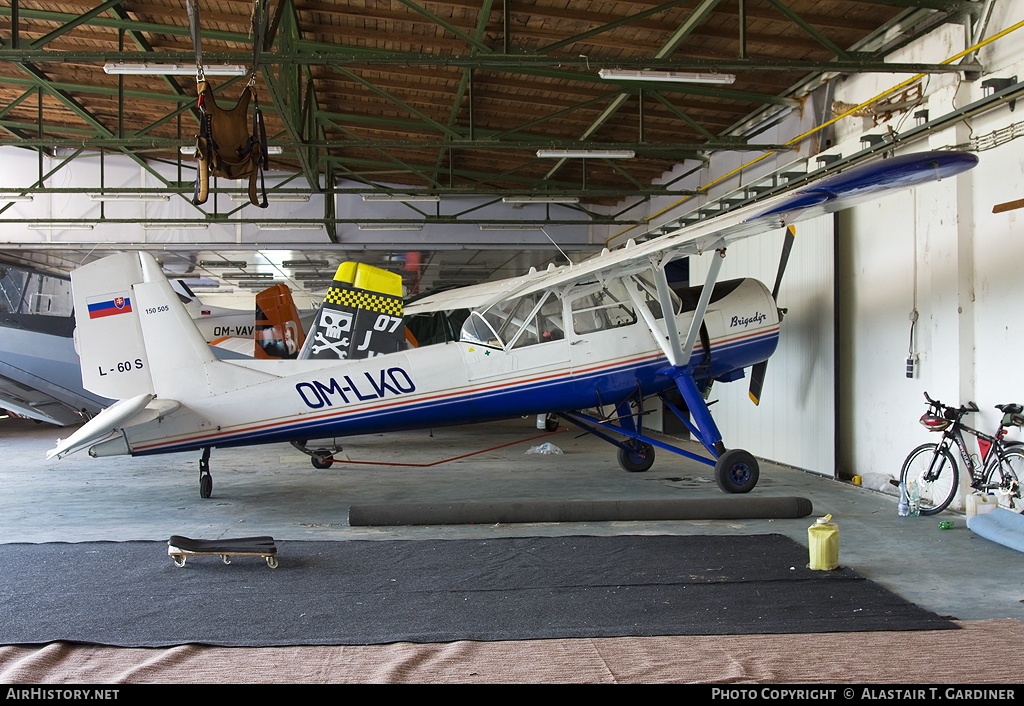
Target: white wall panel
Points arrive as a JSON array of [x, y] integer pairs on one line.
[[939, 250], [794, 424]]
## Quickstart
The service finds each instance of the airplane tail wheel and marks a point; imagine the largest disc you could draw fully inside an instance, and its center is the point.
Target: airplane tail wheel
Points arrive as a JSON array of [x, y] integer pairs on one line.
[[322, 459], [638, 458], [736, 471]]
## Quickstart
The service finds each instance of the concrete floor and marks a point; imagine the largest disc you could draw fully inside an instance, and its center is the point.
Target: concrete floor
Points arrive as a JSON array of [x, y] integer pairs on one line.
[[274, 490]]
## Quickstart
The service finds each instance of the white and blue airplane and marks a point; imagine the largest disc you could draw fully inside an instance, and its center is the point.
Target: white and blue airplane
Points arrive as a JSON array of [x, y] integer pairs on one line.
[[604, 334]]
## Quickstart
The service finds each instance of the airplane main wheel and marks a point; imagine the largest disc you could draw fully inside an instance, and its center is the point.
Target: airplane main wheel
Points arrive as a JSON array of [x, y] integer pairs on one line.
[[206, 486], [322, 459], [551, 423], [736, 471], [638, 458]]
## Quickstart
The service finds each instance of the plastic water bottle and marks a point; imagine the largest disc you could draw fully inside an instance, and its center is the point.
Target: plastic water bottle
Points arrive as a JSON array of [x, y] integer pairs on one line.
[[913, 499], [903, 508]]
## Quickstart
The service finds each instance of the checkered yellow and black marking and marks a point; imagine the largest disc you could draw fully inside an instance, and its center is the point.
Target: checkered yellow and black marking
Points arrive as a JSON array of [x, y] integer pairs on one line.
[[357, 299]]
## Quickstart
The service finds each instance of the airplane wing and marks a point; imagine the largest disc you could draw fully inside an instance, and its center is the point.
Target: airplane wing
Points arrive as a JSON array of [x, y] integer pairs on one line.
[[40, 378], [34, 404], [834, 193]]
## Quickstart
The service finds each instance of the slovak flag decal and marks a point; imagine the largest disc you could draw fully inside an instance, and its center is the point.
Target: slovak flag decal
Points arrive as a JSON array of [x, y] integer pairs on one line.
[[108, 305]]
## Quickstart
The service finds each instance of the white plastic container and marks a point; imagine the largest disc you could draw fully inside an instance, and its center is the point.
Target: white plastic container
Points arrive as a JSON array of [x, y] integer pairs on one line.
[[978, 504]]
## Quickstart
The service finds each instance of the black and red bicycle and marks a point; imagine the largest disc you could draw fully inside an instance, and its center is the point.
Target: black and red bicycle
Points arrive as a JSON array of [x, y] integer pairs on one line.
[[934, 468]]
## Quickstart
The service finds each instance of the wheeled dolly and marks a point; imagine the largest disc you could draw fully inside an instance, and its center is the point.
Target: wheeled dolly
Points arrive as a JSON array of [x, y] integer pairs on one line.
[[179, 548]]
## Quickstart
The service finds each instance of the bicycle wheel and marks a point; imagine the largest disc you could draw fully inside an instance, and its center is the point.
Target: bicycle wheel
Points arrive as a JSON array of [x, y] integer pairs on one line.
[[935, 471], [1003, 477]]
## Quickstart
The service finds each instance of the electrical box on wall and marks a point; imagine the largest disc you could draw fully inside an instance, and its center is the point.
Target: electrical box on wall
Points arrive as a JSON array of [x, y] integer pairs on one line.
[[911, 365]]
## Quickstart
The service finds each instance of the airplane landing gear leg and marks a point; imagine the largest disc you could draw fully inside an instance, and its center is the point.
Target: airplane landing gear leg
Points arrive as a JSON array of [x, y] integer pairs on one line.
[[736, 470], [635, 456], [205, 479], [320, 458]]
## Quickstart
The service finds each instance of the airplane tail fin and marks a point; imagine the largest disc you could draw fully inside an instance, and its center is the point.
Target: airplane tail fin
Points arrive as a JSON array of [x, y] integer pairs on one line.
[[133, 334], [278, 329], [360, 317]]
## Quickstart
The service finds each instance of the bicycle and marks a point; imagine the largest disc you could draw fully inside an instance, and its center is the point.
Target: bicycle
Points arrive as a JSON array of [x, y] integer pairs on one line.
[[934, 468]]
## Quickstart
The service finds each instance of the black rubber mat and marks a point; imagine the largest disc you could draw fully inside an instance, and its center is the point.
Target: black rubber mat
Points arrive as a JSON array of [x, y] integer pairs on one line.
[[372, 592]]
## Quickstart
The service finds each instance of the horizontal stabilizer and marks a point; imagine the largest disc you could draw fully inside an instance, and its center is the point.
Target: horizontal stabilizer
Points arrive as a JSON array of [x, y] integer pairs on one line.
[[101, 426]]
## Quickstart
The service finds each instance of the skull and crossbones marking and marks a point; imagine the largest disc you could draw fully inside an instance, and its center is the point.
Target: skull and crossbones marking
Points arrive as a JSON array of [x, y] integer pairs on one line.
[[335, 346], [335, 323]]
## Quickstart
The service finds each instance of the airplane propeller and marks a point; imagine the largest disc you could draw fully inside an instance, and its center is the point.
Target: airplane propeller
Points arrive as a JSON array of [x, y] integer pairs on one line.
[[757, 373]]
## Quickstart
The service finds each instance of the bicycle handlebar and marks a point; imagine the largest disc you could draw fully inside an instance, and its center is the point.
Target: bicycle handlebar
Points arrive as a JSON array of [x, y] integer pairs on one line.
[[958, 411]]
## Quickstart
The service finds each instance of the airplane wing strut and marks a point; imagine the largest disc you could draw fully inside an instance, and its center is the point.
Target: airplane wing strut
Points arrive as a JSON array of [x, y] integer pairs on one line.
[[702, 307]]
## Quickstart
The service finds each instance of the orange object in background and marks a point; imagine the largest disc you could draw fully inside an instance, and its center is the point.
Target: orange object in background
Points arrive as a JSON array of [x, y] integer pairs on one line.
[[278, 329]]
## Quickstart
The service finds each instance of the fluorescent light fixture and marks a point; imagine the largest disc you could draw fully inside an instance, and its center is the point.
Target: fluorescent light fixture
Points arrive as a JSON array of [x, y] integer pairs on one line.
[[386, 226], [273, 197], [509, 226], [305, 263], [289, 226], [173, 69], [667, 76], [402, 197], [240, 264], [584, 154], [129, 197], [14, 196], [59, 226], [541, 199], [252, 275], [175, 226], [258, 284], [271, 149]]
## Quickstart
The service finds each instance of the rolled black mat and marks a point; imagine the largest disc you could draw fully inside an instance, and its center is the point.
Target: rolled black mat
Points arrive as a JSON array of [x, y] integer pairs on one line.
[[725, 508]]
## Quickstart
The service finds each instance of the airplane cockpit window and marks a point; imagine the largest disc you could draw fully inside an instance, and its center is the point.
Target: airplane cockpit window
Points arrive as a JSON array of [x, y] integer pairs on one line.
[[649, 294], [602, 308], [524, 321], [542, 324]]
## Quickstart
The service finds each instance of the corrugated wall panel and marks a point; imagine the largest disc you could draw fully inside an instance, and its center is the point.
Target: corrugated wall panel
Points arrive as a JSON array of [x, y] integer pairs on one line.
[[795, 422]]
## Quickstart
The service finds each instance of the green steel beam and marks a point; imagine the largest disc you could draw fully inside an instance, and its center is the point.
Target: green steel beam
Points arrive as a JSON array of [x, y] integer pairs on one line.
[[225, 219], [288, 98], [426, 119], [466, 82], [806, 27], [612, 25], [684, 117], [683, 31], [470, 40], [509, 63], [80, 20]]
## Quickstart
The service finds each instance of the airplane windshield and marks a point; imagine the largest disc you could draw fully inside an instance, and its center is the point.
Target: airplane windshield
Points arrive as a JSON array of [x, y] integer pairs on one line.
[[531, 319], [478, 330]]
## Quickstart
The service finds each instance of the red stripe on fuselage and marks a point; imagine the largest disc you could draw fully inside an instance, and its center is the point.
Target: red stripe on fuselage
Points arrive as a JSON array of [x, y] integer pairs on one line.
[[432, 397]]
